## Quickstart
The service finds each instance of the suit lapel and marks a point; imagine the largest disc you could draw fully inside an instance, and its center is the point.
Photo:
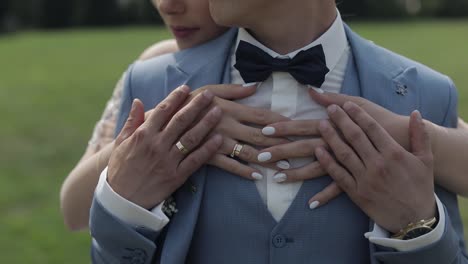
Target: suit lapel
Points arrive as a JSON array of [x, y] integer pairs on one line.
[[201, 65], [196, 67], [382, 77]]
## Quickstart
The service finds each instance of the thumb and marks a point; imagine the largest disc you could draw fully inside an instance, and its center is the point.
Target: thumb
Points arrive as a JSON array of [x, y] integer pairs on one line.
[[134, 120], [420, 141], [326, 98]]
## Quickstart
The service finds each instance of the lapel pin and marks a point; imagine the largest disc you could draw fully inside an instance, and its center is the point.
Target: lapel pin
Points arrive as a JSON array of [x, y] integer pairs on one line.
[[401, 89], [193, 189]]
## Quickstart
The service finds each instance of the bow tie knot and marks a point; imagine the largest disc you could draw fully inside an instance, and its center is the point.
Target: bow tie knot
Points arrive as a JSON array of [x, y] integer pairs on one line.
[[307, 67]]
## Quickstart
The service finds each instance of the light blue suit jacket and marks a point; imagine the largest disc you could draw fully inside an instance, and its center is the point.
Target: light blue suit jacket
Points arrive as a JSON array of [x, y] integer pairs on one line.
[[375, 74]]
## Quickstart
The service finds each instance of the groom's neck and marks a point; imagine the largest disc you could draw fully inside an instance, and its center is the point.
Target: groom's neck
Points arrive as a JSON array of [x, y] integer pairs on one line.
[[288, 28]]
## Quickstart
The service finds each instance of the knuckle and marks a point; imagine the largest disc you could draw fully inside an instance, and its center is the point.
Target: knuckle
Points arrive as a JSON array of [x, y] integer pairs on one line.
[[190, 140], [257, 138], [211, 120], [260, 116], [247, 154], [140, 134], [179, 94], [354, 136], [163, 107], [334, 170], [371, 126], [344, 156], [380, 166], [208, 148], [195, 161], [397, 154], [363, 194], [303, 130], [180, 118]]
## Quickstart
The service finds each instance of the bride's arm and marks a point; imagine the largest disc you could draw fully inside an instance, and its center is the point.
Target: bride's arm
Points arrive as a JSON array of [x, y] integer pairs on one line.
[[450, 148]]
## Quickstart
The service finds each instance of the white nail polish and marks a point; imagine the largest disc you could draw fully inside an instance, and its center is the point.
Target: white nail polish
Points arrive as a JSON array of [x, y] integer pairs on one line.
[[257, 176], [283, 164], [249, 84], [265, 156], [314, 205], [268, 131], [280, 177], [318, 90]]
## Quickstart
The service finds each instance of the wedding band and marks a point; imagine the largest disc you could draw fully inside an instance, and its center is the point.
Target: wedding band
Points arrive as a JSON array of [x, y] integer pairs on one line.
[[181, 147], [236, 150]]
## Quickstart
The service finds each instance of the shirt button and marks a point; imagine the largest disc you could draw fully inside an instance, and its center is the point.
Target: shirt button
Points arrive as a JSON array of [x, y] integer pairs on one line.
[[279, 241]]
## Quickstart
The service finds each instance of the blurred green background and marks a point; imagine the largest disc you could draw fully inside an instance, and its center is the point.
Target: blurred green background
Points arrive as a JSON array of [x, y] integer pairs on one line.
[[53, 88]]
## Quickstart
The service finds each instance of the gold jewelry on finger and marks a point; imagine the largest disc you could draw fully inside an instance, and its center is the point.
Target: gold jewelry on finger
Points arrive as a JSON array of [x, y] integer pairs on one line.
[[181, 147], [236, 150]]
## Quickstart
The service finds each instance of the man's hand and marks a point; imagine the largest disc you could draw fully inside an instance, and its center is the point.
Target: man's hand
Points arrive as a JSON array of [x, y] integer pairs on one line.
[[392, 186], [395, 124], [146, 166]]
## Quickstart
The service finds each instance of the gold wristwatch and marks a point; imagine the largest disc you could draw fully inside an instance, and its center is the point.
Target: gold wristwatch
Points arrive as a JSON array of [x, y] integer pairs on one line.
[[414, 230]]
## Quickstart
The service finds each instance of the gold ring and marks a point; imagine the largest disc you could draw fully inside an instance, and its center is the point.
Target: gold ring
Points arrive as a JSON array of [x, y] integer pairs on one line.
[[181, 147], [236, 150]]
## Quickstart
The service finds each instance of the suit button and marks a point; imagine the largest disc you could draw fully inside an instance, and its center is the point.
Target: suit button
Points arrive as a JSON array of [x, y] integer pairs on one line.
[[279, 241]]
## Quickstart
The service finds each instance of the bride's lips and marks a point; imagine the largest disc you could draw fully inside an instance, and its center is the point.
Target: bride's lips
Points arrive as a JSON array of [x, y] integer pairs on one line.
[[183, 32]]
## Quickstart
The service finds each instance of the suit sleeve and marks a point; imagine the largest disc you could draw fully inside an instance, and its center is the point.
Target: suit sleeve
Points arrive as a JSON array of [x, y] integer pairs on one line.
[[113, 240], [450, 248], [117, 242]]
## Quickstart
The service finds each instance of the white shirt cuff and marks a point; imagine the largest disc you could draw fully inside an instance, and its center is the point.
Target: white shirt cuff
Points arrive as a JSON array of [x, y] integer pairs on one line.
[[127, 211], [381, 236]]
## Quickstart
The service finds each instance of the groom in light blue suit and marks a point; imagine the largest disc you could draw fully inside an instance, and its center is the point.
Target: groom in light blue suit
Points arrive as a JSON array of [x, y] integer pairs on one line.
[[222, 218]]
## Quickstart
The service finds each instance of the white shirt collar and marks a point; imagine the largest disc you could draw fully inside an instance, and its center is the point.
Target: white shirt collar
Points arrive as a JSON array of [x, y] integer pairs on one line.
[[333, 41]]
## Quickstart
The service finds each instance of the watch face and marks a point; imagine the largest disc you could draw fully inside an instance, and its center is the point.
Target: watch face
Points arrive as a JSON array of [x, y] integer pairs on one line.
[[417, 232]]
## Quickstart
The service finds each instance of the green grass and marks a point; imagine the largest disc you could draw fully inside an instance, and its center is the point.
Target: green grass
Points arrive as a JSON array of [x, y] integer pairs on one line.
[[53, 86]]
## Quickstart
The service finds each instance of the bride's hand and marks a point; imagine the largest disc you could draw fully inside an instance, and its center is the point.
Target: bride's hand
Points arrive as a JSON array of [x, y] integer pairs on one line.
[[239, 125]]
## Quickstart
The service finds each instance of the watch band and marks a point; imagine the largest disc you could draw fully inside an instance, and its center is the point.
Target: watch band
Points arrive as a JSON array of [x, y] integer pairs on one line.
[[419, 228]]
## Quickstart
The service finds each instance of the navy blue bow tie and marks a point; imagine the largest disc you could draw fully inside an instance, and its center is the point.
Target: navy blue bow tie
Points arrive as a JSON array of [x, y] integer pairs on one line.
[[307, 67]]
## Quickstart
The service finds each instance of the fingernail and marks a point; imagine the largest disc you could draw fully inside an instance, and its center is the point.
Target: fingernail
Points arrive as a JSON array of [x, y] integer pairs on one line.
[[268, 131], [216, 111], [184, 88], [133, 104], [318, 152], [207, 94], [257, 176], [280, 177], [418, 115], [347, 106], [283, 164], [249, 84], [314, 205], [318, 90], [332, 109], [265, 156]]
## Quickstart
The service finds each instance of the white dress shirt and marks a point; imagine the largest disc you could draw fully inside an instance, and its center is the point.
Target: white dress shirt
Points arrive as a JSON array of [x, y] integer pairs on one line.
[[280, 93]]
